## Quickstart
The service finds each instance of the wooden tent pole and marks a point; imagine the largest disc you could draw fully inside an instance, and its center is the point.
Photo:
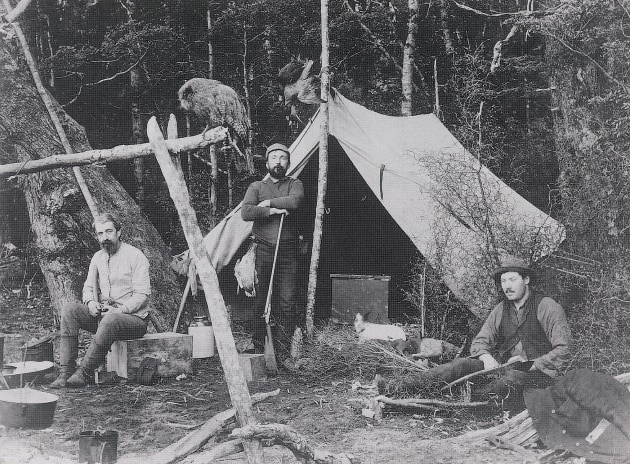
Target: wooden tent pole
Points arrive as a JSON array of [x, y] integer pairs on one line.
[[322, 179], [234, 377]]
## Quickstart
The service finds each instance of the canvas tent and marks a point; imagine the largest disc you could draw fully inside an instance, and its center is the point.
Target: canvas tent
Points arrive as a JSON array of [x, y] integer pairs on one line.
[[447, 204]]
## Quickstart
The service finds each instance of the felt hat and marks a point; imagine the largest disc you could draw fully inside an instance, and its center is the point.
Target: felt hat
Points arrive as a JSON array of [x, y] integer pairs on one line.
[[277, 146], [511, 263]]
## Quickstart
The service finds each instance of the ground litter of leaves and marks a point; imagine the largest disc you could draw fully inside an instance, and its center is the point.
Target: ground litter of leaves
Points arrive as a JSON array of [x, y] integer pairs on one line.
[[149, 418]]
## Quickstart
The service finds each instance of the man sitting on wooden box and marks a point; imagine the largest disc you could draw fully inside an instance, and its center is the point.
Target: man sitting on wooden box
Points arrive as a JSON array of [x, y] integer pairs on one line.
[[115, 304]]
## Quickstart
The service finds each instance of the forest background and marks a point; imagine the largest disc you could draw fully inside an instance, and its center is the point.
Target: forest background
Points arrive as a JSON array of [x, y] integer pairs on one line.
[[538, 91]]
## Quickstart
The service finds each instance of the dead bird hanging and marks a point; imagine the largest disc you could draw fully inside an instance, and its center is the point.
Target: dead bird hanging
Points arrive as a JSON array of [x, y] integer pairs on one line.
[[216, 104], [300, 83]]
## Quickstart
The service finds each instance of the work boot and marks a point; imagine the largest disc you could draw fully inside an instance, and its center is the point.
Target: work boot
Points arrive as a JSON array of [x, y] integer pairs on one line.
[[64, 374], [68, 350], [94, 357], [78, 379]]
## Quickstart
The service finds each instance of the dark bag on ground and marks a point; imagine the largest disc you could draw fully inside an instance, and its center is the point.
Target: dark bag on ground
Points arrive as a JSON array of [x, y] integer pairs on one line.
[[585, 412]]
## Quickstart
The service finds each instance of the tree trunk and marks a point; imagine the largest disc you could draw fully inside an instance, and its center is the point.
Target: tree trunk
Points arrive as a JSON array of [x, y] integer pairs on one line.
[[446, 31], [408, 60], [322, 181], [135, 82], [248, 76], [210, 48], [60, 219], [591, 142], [436, 86], [212, 185]]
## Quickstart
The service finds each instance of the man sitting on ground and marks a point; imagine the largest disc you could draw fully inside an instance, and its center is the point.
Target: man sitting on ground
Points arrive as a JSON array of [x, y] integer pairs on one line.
[[115, 304], [526, 327]]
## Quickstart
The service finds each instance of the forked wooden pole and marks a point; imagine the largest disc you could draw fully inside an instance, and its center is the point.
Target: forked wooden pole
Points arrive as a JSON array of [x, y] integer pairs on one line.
[[234, 377]]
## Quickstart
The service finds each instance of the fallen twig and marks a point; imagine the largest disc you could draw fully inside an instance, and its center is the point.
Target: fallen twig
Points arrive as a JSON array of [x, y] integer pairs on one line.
[[504, 444], [184, 426], [429, 404], [298, 444]]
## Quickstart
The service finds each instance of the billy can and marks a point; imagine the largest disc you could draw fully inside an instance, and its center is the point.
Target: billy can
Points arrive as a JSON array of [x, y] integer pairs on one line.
[[203, 337], [98, 447]]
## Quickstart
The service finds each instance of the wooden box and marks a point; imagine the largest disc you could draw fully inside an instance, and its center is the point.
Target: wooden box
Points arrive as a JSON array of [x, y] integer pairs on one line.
[[253, 366], [172, 350], [365, 294]]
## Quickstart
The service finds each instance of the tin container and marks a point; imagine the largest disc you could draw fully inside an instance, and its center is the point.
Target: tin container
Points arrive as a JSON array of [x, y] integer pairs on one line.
[[203, 337], [98, 447], [40, 350]]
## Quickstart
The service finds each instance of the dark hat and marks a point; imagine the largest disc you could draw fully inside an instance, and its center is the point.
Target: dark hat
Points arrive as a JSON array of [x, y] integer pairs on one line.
[[277, 146], [511, 263]]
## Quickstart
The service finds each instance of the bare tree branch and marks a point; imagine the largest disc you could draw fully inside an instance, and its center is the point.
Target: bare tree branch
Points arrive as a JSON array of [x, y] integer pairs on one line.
[[17, 11], [498, 48], [597, 65], [521, 13], [120, 73]]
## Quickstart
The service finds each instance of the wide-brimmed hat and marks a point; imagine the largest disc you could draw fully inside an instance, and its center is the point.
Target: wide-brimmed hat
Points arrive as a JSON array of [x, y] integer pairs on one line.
[[511, 263], [277, 146]]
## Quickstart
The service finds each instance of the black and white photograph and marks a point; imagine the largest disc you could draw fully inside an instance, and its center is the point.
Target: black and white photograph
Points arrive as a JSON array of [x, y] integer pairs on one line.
[[326, 232]]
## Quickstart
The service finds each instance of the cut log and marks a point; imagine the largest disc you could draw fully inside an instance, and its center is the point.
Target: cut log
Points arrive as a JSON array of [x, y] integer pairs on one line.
[[234, 377], [195, 440], [222, 450], [298, 444], [174, 354]]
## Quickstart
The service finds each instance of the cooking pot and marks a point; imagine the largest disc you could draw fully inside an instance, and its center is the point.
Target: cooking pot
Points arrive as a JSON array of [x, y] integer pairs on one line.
[[27, 408], [21, 373]]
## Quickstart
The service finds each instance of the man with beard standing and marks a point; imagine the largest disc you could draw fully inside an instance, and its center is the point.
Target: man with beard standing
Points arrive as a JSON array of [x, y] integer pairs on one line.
[[265, 202], [114, 304]]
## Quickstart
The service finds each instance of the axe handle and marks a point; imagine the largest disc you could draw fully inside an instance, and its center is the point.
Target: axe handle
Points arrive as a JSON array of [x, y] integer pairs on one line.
[[267, 312], [182, 304]]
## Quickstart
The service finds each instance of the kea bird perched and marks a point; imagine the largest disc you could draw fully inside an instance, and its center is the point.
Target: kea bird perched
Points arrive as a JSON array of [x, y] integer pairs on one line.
[[216, 104], [299, 83]]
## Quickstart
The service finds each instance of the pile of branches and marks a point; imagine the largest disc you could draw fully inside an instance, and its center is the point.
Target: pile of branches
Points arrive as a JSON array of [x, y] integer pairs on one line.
[[337, 353]]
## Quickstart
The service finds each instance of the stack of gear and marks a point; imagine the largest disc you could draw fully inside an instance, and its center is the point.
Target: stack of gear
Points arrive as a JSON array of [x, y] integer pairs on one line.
[[585, 412]]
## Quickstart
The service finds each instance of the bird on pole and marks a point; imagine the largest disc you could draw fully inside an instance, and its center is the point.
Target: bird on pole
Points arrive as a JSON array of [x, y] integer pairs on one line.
[[216, 104], [299, 83]]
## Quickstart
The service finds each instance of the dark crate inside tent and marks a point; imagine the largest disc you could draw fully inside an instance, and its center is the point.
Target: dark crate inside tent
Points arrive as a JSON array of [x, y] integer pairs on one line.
[[365, 294]]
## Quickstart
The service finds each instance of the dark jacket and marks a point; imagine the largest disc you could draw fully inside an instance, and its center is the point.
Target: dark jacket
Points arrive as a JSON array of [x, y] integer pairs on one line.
[[288, 194]]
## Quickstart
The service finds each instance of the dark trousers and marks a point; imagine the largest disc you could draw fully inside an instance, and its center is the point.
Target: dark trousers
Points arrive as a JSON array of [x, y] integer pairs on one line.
[[283, 311], [111, 327], [506, 387]]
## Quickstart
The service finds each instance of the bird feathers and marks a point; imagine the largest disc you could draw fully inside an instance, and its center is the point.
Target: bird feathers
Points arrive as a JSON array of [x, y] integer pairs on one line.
[[215, 104], [299, 83]]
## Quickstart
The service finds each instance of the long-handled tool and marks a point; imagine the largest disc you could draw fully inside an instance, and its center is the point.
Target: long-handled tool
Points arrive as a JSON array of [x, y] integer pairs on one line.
[[270, 353]]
